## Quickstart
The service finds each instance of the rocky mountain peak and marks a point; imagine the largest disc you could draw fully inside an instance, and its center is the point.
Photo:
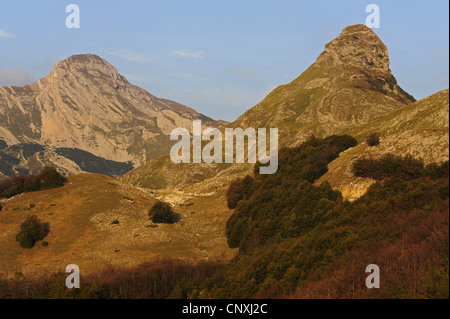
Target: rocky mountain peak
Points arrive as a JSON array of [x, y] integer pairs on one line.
[[87, 67], [85, 111], [349, 85], [357, 46]]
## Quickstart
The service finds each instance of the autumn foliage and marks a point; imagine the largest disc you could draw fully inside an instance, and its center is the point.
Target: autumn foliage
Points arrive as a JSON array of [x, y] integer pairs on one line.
[[159, 279], [301, 240], [47, 179]]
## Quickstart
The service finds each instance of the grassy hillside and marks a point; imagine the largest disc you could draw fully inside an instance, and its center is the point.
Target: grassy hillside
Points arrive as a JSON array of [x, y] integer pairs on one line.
[[348, 86], [298, 240], [420, 129], [96, 221]]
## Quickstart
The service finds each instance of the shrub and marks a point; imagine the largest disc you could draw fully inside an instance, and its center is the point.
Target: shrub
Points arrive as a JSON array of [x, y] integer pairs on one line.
[[162, 213], [390, 165], [373, 139], [31, 231], [45, 244], [115, 222], [50, 178]]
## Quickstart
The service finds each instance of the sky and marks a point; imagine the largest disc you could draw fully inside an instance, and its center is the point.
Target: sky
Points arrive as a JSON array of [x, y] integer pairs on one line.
[[219, 57]]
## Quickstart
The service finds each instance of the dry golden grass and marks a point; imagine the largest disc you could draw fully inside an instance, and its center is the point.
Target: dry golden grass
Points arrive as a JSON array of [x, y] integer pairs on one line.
[[82, 232]]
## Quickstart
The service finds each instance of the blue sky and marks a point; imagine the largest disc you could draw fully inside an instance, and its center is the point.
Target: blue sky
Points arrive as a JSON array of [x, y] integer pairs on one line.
[[219, 57]]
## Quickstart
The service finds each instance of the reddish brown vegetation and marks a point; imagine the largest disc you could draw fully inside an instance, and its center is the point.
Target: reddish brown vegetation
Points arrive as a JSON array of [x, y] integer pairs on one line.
[[159, 279], [47, 179]]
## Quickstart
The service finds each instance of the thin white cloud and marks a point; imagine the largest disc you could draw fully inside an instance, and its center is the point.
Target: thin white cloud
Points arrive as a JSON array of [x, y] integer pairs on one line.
[[187, 54], [16, 76], [132, 56], [245, 74], [4, 34], [187, 76]]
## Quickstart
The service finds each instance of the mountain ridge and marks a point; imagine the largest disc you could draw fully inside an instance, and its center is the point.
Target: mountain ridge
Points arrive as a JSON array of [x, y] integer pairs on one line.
[[86, 104], [108, 218], [348, 86]]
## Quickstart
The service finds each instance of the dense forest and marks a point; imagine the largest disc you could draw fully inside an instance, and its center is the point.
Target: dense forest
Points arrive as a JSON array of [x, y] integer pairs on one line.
[[300, 240]]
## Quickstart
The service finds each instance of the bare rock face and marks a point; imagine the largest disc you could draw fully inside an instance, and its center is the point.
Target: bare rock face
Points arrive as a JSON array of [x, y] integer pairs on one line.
[[349, 85], [357, 46], [85, 104]]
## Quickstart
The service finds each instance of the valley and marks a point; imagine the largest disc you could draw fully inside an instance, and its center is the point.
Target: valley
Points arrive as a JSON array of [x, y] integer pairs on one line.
[[288, 234]]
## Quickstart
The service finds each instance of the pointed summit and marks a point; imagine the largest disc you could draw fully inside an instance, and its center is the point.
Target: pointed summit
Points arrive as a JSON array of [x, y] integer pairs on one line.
[[87, 105], [88, 67], [349, 85], [357, 46]]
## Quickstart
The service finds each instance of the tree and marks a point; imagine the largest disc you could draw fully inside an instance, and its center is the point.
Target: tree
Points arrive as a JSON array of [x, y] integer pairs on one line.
[[50, 178], [31, 231], [373, 139], [162, 213]]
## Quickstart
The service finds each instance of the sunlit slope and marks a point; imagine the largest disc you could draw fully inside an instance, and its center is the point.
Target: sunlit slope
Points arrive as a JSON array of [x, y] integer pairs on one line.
[[348, 86], [420, 130], [83, 230]]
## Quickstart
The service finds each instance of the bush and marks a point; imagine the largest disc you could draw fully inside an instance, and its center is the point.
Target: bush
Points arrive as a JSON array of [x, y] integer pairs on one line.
[[48, 178], [406, 168], [373, 139], [31, 231], [162, 213]]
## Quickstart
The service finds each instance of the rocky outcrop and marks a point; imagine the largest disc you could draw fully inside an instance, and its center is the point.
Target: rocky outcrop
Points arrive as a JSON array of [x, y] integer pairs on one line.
[[349, 85]]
